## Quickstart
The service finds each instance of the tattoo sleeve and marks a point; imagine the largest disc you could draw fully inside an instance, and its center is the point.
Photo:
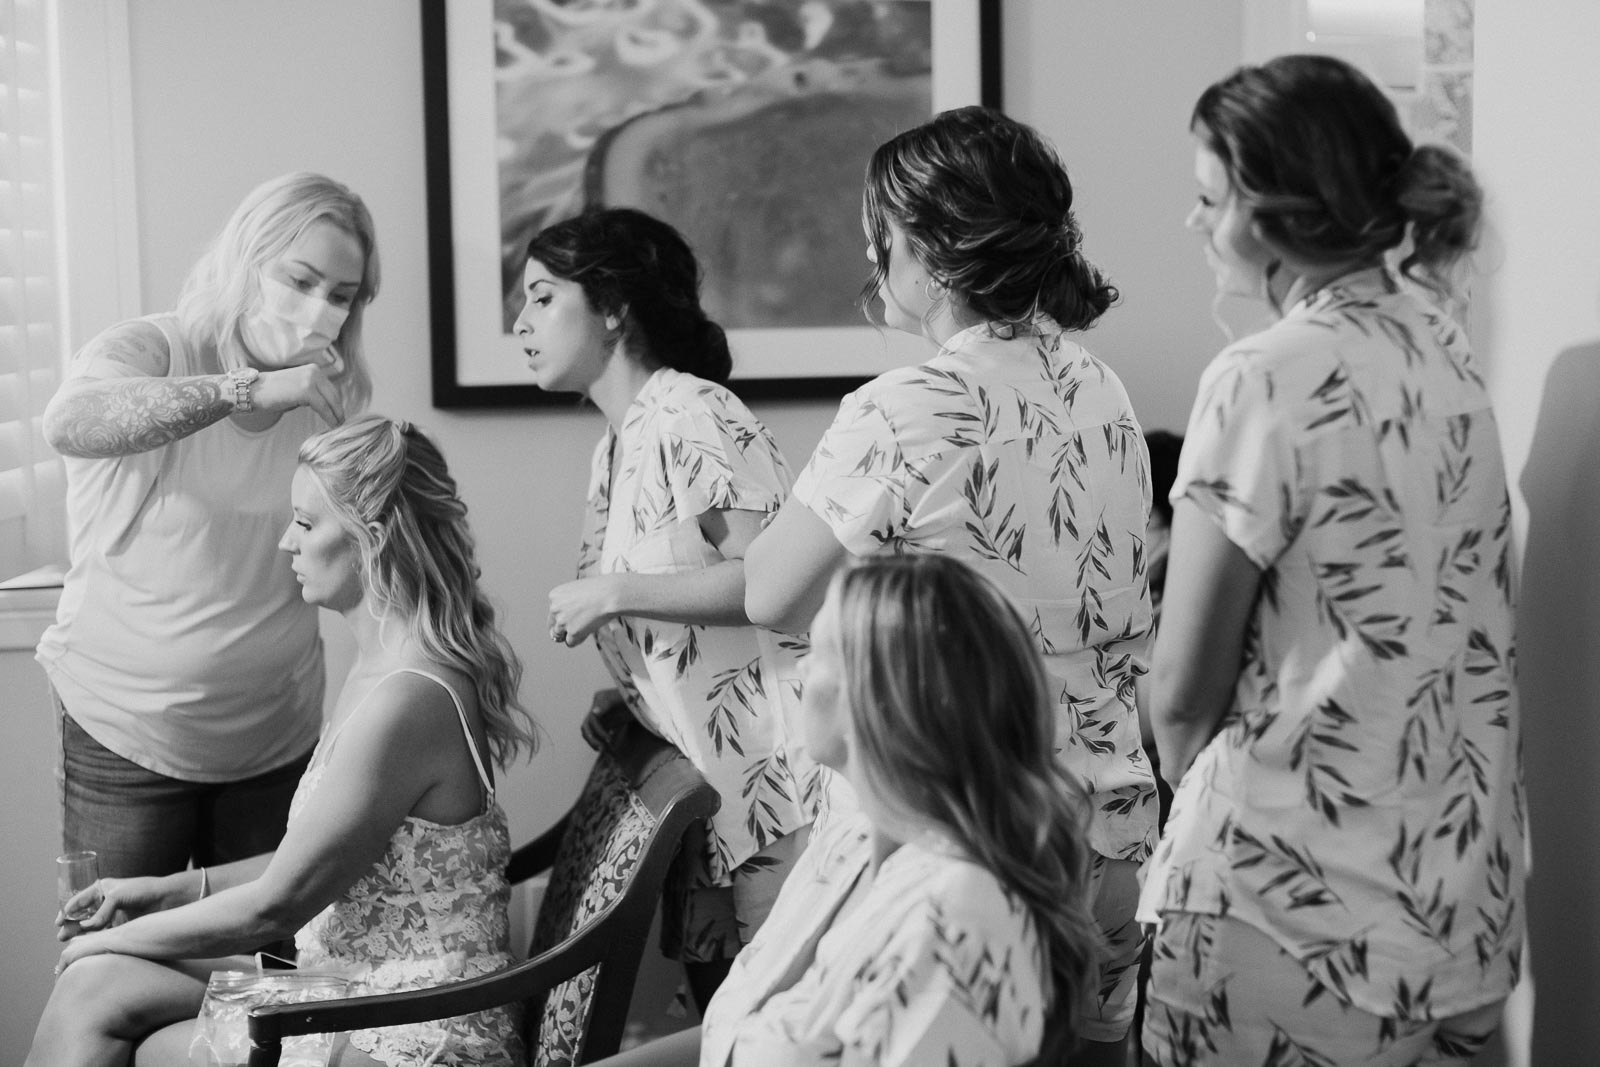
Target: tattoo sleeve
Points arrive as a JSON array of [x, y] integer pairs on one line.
[[120, 417]]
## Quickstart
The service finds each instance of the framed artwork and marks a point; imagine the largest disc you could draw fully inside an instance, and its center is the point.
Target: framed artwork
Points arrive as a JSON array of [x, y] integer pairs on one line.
[[747, 124]]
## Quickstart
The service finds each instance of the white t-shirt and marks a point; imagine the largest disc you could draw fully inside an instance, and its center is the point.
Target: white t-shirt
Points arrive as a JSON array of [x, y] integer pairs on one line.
[[182, 642]]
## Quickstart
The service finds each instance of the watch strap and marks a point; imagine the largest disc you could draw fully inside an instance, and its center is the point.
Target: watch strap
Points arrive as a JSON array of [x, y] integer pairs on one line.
[[243, 401]]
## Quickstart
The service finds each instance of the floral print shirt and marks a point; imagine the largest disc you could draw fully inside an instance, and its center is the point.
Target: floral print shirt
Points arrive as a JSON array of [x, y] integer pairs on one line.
[[1362, 803], [927, 961], [722, 694], [1022, 457]]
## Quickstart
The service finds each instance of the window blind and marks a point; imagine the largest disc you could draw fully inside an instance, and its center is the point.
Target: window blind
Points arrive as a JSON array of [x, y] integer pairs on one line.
[[32, 484]]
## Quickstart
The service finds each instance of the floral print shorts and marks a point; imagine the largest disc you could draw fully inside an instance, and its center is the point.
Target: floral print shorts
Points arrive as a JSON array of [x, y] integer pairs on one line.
[[1244, 1000]]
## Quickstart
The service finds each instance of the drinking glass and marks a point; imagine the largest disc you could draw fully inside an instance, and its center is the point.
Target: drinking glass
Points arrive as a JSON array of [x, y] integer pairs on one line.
[[75, 872]]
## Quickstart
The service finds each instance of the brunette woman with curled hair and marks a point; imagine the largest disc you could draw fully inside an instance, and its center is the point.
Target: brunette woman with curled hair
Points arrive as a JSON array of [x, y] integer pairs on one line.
[[1334, 692], [946, 921], [393, 865], [1012, 448], [682, 480]]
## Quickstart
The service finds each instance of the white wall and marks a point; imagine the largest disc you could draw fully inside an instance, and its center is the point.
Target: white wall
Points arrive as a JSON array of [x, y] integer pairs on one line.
[[1537, 330], [1112, 84], [226, 94]]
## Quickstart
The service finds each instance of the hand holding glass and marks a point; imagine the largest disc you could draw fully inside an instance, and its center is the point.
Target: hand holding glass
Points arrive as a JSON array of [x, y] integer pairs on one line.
[[75, 872]]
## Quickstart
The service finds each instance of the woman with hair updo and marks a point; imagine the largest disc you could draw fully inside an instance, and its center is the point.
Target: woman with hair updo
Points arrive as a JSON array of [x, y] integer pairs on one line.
[[681, 482], [186, 669], [393, 865], [946, 921], [1334, 694], [1012, 448]]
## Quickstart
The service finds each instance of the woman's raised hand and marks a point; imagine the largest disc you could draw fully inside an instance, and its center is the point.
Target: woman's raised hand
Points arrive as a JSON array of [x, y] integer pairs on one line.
[[580, 607], [307, 385]]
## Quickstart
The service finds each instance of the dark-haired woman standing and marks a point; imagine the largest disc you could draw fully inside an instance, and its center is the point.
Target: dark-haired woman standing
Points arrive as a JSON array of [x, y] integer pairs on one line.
[[681, 483], [1013, 449], [1341, 879]]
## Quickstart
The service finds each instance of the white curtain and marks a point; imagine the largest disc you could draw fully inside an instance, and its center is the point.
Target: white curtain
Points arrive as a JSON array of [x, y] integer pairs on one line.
[[32, 485]]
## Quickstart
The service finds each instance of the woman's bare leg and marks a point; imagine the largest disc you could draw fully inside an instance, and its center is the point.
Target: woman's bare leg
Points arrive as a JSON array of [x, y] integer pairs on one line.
[[103, 1005], [167, 1047]]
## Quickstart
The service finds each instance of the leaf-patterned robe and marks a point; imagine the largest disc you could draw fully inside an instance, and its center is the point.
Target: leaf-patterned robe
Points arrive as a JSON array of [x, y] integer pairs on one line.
[[1363, 802], [931, 962], [722, 694], [1023, 458]]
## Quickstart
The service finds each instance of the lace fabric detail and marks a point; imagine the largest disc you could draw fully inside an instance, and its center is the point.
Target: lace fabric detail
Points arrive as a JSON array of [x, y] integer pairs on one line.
[[601, 848], [433, 909]]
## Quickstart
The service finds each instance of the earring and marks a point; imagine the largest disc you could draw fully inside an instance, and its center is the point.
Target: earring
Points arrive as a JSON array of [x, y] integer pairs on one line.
[[933, 289], [612, 322]]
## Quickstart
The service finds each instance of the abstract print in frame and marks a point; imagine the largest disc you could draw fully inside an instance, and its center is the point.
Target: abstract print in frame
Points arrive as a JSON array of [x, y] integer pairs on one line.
[[745, 123]]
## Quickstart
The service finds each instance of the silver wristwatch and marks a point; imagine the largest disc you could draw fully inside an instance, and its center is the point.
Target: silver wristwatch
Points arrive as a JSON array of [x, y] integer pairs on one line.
[[243, 379]]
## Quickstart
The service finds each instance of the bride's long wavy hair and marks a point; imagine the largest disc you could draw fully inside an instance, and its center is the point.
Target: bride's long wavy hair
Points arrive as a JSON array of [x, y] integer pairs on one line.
[[387, 483]]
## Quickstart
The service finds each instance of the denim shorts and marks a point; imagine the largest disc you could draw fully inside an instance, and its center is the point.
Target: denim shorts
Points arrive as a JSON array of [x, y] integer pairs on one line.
[[144, 823]]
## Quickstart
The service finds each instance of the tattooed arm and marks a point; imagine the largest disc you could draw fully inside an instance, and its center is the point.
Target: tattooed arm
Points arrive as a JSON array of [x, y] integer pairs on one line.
[[139, 408]]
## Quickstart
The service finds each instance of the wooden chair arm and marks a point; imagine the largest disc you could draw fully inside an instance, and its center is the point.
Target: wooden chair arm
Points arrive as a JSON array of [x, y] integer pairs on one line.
[[675, 795], [269, 1024]]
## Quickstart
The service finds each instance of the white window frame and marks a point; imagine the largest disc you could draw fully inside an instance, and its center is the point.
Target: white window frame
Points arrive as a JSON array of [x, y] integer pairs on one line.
[[100, 255], [98, 274]]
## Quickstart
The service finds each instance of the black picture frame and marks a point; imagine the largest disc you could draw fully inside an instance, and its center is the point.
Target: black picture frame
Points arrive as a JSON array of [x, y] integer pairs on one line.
[[450, 259]]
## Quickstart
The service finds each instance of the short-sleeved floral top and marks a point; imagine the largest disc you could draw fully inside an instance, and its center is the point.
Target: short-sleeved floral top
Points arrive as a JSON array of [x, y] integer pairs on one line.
[[927, 961], [722, 694], [1363, 802], [1021, 456]]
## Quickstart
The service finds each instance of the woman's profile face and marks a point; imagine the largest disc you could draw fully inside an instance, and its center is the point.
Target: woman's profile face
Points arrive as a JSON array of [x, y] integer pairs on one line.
[[1236, 255], [907, 289], [566, 340], [824, 717], [326, 561]]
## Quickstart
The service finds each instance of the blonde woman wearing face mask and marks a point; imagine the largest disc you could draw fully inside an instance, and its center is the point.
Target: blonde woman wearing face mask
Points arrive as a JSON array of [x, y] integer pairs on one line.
[[187, 669]]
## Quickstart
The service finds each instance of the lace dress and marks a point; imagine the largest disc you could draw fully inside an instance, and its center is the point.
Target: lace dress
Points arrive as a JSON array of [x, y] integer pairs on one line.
[[432, 910]]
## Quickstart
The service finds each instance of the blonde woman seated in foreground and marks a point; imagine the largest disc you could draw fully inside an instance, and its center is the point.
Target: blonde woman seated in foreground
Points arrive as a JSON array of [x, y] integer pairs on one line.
[[947, 920], [393, 865]]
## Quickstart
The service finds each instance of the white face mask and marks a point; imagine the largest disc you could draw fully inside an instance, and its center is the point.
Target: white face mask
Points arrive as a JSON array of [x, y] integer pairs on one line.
[[290, 325]]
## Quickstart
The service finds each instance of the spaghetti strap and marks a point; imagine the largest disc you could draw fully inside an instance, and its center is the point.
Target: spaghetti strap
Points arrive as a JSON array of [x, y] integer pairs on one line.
[[461, 714]]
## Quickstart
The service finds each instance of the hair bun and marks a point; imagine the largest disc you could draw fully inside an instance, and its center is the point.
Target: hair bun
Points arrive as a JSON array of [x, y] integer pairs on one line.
[[1437, 192]]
